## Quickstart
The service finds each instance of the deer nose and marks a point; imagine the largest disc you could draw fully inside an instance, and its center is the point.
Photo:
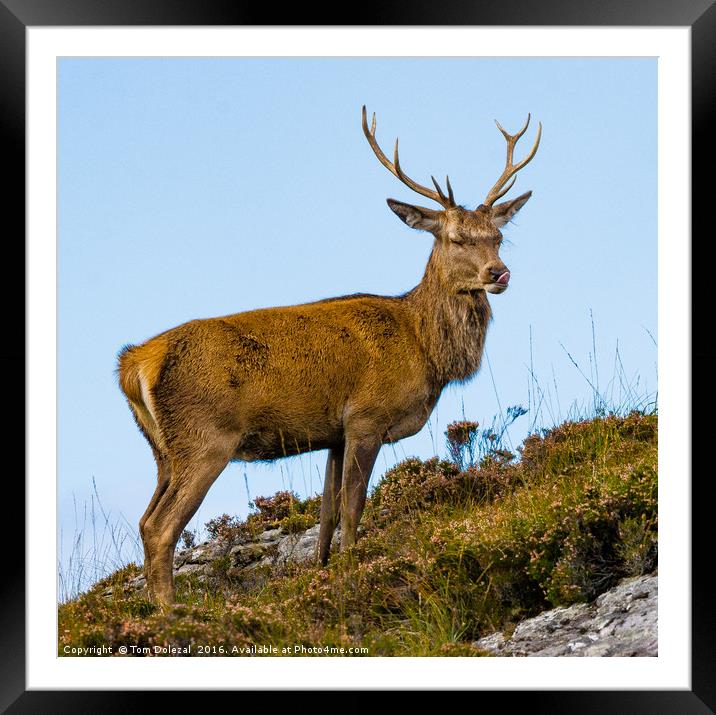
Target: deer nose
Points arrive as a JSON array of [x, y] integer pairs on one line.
[[500, 274]]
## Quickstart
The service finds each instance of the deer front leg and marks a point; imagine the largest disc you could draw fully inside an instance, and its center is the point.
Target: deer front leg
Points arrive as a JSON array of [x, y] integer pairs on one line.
[[330, 503], [358, 460]]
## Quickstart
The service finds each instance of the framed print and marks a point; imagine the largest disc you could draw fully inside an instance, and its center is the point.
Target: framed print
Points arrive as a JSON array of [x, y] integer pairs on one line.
[[186, 164]]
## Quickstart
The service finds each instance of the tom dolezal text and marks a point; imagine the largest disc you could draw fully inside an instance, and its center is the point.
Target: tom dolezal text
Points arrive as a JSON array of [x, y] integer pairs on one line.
[[192, 649]]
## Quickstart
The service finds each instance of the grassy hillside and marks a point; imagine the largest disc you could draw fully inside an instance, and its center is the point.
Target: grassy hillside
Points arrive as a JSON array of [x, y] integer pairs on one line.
[[450, 551]]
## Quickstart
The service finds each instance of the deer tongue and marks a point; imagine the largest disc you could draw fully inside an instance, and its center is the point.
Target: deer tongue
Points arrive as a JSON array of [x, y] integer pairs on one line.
[[504, 279]]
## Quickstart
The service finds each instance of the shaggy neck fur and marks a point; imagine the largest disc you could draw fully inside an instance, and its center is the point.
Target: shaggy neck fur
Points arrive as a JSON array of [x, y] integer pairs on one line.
[[451, 325]]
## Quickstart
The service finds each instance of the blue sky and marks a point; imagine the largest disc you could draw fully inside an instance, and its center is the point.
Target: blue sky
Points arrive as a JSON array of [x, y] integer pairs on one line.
[[193, 188]]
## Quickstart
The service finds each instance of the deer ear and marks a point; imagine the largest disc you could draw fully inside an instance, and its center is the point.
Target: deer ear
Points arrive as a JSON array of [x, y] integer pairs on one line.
[[415, 216], [502, 213]]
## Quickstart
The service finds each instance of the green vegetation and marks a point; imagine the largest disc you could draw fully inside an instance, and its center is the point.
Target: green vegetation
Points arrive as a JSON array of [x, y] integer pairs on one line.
[[450, 550], [284, 510]]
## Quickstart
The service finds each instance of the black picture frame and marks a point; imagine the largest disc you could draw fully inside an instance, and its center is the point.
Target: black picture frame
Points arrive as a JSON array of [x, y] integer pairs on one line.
[[699, 15]]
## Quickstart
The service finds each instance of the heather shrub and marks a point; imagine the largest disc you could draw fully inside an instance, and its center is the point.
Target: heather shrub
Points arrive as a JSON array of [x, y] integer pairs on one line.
[[284, 510]]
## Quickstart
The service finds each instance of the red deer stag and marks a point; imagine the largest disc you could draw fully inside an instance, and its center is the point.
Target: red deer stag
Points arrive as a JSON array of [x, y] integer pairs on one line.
[[346, 374]]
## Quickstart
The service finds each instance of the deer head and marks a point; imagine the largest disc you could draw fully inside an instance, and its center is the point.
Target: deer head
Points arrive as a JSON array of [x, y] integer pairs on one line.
[[467, 242]]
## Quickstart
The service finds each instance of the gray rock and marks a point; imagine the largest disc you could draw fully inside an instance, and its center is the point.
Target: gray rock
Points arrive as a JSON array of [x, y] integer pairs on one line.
[[180, 557], [302, 547], [189, 568], [270, 535], [244, 554], [620, 622], [205, 553], [137, 584], [298, 548]]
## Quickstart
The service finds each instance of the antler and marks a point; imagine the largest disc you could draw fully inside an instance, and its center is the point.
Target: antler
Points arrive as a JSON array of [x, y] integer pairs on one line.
[[394, 168], [499, 189]]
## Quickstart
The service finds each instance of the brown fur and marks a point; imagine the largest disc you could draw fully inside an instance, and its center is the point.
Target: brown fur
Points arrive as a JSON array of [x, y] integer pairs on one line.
[[346, 374]]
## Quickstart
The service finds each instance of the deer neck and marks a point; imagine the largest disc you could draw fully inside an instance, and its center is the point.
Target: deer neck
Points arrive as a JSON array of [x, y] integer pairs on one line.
[[450, 325]]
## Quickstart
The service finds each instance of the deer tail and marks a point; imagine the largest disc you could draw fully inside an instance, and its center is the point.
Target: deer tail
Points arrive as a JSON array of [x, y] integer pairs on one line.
[[138, 369]]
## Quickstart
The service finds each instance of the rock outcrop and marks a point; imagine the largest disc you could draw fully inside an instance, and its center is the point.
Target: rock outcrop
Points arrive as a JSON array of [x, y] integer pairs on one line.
[[270, 548], [620, 622]]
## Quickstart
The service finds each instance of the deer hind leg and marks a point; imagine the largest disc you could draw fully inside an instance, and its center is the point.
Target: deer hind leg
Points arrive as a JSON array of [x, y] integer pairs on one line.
[[188, 483], [162, 484], [330, 503], [358, 461]]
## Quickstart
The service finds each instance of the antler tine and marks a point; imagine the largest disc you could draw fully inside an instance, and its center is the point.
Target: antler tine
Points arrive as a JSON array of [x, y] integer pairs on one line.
[[443, 198], [515, 137], [502, 186], [395, 169], [501, 193], [451, 197]]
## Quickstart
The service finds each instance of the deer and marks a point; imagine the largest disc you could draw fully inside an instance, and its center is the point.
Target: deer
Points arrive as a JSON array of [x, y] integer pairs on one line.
[[345, 374]]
